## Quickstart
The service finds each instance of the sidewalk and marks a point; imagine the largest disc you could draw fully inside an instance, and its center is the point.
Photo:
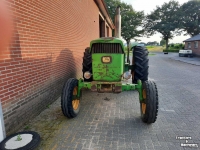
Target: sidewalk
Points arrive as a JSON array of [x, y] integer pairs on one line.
[[193, 60]]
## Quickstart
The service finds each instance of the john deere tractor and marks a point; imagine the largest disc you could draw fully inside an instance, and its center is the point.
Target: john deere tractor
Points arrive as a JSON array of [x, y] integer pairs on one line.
[[104, 69]]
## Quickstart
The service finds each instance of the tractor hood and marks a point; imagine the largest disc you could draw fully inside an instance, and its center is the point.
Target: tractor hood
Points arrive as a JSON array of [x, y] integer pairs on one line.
[[107, 40]]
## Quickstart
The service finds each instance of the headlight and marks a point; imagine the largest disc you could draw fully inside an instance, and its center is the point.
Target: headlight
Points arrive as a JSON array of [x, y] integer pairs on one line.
[[127, 75], [87, 75]]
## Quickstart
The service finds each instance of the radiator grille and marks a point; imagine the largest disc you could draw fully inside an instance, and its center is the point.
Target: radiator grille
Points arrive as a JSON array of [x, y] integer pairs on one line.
[[107, 48]]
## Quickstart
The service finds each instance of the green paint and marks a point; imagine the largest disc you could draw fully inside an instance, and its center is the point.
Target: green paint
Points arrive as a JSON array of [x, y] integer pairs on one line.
[[111, 71], [128, 87], [126, 67], [81, 85], [108, 40], [124, 86], [139, 89]]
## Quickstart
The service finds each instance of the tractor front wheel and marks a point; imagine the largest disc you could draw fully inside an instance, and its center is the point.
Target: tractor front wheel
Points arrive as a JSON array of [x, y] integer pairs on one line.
[[149, 105], [70, 103]]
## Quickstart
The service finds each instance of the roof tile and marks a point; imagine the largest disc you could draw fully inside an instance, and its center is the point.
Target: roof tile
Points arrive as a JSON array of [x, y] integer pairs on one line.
[[194, 38]]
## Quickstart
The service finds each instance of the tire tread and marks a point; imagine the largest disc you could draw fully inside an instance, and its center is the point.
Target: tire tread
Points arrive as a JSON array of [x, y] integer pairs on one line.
[[66, 98], [151, 101], [141, 62]]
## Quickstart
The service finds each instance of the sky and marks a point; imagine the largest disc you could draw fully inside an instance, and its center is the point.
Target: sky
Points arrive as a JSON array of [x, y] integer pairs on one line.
[[149, 5]]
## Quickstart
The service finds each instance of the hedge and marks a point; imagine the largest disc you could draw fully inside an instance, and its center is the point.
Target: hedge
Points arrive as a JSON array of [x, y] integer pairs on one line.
[[175, 51]]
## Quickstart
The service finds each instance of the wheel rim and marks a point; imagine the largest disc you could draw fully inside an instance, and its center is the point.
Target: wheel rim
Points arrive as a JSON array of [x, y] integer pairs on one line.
[[144, 104], [143, 108], [75, 102], [13, 143]]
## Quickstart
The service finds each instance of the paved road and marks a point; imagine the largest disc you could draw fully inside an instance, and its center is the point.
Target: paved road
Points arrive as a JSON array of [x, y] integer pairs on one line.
[[116, 124]]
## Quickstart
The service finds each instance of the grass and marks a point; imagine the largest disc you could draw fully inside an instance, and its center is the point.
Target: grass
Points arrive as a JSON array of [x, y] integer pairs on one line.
[[155, 48], [19, 138], [27, 127], [151, 54], [150, 46]]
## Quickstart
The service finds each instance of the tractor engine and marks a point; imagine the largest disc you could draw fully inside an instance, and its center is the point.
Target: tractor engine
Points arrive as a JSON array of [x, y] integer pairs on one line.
[[107, 61]]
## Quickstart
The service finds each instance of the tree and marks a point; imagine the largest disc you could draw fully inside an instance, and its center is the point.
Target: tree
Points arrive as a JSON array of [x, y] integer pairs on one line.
[[190, 19], [112, 5], [162, 42], [152, 43], [165, 20], [131, 20]]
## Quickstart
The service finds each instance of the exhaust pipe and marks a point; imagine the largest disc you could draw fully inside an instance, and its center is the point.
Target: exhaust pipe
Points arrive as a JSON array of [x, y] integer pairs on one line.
[[118, 22]]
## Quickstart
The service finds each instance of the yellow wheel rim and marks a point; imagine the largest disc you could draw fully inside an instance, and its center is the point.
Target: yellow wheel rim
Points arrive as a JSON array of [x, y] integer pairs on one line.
[[143, 104], [143, 108], [75, 102], [144, 94]]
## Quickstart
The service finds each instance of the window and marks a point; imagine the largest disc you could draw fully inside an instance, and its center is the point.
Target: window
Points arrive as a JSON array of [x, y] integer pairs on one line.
[[189, 45], [196, 44]]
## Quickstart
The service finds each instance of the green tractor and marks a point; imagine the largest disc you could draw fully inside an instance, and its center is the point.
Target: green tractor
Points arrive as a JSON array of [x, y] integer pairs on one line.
[[104, 68]]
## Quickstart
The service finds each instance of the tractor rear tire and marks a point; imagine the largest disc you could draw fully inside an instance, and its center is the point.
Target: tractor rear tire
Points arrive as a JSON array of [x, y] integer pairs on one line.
[[70, 107], [149, 106], [141, 64], [87, 64]]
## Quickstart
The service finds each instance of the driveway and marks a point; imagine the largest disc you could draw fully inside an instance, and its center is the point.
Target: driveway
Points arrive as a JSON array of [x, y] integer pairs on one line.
[[115, 124]]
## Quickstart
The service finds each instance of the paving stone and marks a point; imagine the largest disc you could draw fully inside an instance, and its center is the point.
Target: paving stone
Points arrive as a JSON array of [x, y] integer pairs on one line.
[[116, 124]]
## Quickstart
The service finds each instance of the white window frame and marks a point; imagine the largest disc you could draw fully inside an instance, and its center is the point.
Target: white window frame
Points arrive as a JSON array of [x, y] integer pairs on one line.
[[189, 45], [196, 44]]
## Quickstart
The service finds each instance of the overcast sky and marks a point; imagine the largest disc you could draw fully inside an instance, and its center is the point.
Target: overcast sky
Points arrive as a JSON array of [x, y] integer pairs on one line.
[[149, 5]]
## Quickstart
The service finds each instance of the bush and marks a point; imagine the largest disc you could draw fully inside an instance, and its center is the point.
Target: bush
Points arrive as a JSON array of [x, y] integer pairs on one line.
[[176, 46], [171, 50]]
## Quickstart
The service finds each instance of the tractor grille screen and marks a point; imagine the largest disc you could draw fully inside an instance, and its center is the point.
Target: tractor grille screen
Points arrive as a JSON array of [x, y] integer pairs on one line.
[[107, 48]]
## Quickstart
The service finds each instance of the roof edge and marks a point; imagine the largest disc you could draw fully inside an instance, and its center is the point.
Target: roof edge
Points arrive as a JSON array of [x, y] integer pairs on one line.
[[193, 38], [102, 6]]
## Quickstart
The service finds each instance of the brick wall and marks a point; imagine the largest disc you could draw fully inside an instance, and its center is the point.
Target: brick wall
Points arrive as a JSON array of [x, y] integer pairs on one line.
[[110, 32], [196, 51], [48, 41]]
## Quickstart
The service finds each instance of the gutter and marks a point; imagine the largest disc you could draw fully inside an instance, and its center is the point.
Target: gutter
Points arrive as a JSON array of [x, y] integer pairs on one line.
[[191, 40], [102, 7]]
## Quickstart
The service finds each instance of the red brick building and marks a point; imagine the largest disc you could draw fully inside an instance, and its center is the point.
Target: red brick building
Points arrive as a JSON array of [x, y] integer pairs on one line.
[[49, 38], [193, 43]]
